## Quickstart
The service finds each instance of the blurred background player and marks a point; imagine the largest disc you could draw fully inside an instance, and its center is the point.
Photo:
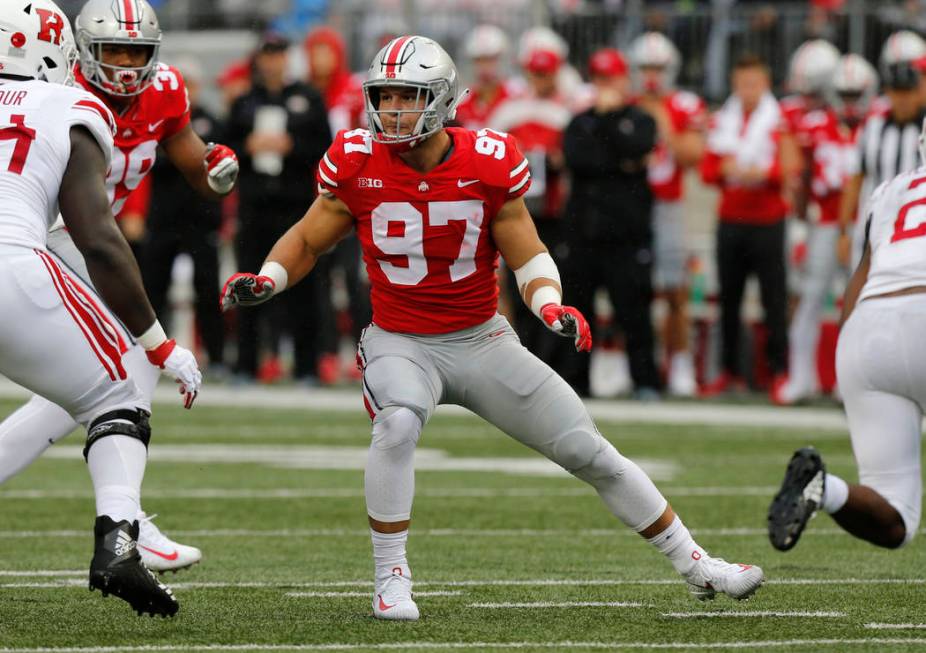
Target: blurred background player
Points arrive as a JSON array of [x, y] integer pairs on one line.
[[486, 48], [888, 143], [607, 221], [536, 118], [437, 337], [148, 99], [752, 158], [882, 378], [55, 338], [681, 120], [822, 140]]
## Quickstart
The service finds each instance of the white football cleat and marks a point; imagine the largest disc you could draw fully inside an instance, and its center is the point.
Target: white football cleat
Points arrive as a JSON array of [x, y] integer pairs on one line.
[[712, 575], [159, 552], [392, 599]]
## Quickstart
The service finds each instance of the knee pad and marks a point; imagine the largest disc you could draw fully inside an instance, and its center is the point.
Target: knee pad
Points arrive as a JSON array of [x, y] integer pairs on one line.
[[396, 426], [130, 423], [587, 455]]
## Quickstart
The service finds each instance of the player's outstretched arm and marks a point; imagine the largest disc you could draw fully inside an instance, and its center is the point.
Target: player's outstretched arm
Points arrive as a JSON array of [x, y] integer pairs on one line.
[[536, 273], [88, 216], [211, 169], [293, 256]]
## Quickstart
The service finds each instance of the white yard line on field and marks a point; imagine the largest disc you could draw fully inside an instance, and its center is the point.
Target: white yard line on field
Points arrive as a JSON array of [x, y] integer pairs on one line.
[[351, 493], [444, 646], [877, 626], [754, 614], [434, 532], [564, 604], [666, 412], [535, 582], [337, 595], [39, 573]]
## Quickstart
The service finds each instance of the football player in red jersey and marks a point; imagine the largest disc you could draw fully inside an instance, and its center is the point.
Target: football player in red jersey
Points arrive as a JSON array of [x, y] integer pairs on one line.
[[118, 43], [434, 207], [681, 118]]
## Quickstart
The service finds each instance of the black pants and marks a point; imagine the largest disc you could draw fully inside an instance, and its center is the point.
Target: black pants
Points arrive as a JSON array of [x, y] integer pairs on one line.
[[744, 249], [200, 240], [296, 310], [626, 274]]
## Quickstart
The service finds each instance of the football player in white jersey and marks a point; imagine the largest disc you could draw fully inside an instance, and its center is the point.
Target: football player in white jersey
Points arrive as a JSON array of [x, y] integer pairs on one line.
[[118, 43], [56, 144], [881, 368]]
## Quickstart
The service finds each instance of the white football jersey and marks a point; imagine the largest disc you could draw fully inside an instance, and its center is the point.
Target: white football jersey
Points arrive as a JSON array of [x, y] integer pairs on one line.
[[897, 234], [35, 145]]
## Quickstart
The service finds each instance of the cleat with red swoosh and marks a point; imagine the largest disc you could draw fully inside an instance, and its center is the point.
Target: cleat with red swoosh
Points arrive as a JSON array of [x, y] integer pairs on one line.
[[712, 575], [392, 599], [159, 552]]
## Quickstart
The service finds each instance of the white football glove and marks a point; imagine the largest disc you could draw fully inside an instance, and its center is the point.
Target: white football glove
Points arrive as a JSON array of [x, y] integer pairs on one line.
[[221, 168], [180, 364]]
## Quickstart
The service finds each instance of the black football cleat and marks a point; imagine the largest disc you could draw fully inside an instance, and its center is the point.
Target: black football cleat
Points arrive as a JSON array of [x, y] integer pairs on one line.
[[117, 569], [798, 499]]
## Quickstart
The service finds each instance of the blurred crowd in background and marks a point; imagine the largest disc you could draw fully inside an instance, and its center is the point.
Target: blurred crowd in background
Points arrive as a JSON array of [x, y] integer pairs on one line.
[[627, 115]]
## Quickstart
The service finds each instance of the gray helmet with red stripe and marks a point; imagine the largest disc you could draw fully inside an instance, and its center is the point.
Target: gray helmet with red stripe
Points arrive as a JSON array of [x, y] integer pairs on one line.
[[121, 22], [419, 63], [812, 66]]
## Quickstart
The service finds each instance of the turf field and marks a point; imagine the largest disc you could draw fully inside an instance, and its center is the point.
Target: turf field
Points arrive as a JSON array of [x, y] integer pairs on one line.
[[507, 553]]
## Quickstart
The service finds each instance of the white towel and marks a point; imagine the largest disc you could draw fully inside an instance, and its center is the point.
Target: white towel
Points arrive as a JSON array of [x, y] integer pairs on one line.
[[754, 148]]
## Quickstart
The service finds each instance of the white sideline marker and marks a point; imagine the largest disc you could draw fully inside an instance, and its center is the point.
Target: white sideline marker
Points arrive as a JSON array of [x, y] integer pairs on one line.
[[756, 613], [564, 604], [443, 646], [877, 626]]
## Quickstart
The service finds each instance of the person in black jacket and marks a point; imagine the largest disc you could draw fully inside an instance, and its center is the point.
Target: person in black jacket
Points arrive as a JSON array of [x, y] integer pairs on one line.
[[608, 216], [181, 220], [280, 130]]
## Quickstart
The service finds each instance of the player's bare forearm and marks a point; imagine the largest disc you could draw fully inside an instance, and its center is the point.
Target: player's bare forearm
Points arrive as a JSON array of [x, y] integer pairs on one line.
[[687, 148], [186, 150], [325, 223], [848, 203], [86, 211], [516, 237], [855, 285]]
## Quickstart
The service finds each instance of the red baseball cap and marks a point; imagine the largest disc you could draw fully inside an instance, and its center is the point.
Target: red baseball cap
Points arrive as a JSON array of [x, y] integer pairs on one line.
[[607, 62], [542, 61]]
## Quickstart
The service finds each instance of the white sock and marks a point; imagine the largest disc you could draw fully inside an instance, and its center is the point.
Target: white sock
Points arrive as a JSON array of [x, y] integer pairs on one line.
[[389, 554], [117, 467], [835, 494], [678, 546]]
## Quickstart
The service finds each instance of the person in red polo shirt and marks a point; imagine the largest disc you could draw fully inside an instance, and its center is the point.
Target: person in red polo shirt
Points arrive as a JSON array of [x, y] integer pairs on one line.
[[753, 159]]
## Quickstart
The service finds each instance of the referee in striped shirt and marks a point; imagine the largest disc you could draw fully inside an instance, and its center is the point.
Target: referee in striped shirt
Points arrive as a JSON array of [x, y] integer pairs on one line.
[[887, 147]]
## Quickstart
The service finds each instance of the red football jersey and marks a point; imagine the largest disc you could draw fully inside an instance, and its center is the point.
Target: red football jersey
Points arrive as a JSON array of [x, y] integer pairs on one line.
[[473, 112], [425, 237], [827, 143], [156, 114], [686, 112], [793, 109]]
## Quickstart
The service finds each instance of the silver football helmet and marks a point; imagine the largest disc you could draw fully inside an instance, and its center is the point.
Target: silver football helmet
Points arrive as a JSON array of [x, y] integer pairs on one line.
[[414, 62], [812, 66], [36, 41], [655, 50], [853, 87], [122, 22]]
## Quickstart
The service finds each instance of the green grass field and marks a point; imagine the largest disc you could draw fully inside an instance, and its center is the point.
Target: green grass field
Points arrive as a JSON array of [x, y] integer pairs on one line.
[[275, 500]]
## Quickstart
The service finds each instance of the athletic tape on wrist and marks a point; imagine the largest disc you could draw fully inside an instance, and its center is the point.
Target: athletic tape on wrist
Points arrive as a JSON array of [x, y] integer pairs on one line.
[[154, 337], [541, 266], [276, 272]]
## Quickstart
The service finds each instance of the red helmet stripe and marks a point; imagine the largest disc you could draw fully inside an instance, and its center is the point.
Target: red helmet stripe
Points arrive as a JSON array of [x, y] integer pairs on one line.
[[394, 53], [129, 12]]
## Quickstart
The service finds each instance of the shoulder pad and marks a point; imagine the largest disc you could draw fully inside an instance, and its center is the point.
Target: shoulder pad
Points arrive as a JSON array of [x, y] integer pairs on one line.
[[500, 162], [346, 156]]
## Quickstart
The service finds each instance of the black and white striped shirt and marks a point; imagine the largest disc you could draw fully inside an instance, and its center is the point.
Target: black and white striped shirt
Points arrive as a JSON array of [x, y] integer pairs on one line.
[[888, 148]]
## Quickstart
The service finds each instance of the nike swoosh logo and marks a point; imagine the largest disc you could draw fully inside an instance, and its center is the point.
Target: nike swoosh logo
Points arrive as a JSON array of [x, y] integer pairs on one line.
[[382, 604], [172, 556], [464, 184], [154, 125]]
